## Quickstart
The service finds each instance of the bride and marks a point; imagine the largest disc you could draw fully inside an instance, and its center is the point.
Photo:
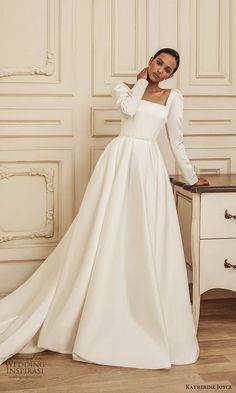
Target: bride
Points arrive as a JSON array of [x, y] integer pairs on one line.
[[114, 291]]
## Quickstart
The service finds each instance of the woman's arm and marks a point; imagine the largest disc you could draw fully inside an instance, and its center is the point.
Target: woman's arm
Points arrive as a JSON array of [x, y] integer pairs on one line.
[[175, 136], [128, 99]]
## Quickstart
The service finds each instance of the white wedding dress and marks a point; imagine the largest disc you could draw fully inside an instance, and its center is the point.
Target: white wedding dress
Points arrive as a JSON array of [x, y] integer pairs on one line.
[[114, 291]]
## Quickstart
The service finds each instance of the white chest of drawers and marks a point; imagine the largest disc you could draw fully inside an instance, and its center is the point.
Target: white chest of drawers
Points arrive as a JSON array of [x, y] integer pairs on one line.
[[207, 218]]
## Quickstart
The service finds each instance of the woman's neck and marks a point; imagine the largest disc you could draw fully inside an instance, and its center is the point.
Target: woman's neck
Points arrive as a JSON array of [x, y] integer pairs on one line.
[[153, 86]]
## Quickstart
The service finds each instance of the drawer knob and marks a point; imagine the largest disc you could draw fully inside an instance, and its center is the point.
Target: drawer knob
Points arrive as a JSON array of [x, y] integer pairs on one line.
[[228, 265], [228, 215]]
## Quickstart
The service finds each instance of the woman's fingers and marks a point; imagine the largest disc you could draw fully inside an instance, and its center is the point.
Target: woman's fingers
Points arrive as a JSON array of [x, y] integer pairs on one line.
[[143, 74], [202, 181]]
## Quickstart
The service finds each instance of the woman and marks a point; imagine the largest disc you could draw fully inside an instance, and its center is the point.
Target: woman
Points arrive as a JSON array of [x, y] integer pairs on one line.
[[114, 291]]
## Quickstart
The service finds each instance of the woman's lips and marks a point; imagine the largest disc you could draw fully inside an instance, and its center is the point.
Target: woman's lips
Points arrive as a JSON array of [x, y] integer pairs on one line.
[[155, 75]]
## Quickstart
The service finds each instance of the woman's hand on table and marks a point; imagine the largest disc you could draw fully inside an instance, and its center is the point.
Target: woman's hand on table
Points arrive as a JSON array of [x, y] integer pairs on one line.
[[202, 181]]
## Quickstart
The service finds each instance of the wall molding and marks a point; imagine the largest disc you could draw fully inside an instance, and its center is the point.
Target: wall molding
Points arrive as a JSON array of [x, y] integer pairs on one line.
[[209, 121], [36, 121], [95, 153], [206, 31], [48, 230], [51, 72], [105, 121], [48, 68], [107, 40]]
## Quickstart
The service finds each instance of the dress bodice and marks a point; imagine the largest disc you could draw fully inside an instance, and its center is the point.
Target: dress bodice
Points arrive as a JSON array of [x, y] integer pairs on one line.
[[144, 119], [148, 121]]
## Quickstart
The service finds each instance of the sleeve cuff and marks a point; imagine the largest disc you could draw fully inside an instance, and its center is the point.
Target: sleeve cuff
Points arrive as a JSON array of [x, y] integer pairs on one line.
[[142, 82], [193, 180]]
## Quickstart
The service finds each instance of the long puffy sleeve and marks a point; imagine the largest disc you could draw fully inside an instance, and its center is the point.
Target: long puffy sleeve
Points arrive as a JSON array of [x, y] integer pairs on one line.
[[174, 128], [128, 99]]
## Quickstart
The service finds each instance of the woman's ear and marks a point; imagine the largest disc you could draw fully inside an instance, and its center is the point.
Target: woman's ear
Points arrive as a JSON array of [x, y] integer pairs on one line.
[[150, 60], [170, 76]]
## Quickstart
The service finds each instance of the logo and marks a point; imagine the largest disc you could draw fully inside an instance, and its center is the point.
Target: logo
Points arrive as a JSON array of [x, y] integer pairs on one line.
[[27, 367]]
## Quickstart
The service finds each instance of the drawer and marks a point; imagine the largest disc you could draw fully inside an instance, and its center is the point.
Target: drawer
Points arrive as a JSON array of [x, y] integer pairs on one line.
[[213, 222], [213, 273]]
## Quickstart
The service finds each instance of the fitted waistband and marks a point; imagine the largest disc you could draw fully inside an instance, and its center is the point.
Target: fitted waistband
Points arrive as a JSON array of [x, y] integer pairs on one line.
[[138, 137]]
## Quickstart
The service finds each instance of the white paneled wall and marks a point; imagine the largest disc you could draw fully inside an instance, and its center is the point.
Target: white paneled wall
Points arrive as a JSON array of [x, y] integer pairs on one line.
[[209, 53], [36, 47], [204, 32], [58, 58], [37, 193]]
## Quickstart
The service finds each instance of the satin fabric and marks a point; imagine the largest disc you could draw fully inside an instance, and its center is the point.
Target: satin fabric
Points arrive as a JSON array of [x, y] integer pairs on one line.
[[114, 291]]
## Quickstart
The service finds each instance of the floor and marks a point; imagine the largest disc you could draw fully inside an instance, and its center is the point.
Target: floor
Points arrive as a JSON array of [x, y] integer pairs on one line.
[[50, 372]]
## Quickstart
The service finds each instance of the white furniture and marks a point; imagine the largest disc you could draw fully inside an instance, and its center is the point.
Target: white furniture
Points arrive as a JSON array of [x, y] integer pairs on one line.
[[207, 217]]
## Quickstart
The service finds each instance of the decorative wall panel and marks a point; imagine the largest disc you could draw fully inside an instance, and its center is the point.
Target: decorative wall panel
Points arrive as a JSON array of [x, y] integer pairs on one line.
[[36, 200], [95, 153], [210, 121], [35, 50], [16, 122], [8, 204], [105, 121], [207, 41]]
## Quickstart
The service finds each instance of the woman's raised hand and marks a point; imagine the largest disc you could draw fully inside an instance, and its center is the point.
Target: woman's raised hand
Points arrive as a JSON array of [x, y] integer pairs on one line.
[[143, 74]]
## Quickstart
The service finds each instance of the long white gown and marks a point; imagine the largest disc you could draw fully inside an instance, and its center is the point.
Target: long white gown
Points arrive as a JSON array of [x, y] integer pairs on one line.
[[114, 291]]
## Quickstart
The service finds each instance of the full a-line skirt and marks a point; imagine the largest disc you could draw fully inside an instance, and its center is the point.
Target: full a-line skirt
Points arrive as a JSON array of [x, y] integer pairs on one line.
[[114, 291]]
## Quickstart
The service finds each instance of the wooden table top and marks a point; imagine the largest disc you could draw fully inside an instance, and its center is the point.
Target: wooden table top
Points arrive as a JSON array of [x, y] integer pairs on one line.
[[218, 183]]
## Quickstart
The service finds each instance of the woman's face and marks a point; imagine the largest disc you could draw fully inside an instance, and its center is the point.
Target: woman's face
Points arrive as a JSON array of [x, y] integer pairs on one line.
[[161, 67]]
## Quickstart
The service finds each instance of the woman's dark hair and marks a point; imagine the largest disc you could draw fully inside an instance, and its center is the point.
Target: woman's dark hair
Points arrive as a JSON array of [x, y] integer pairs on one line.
[[171, 52]]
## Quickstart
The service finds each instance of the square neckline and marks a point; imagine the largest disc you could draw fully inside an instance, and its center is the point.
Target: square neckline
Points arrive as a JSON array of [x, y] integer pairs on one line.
[[152, 102], [157, 103]]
